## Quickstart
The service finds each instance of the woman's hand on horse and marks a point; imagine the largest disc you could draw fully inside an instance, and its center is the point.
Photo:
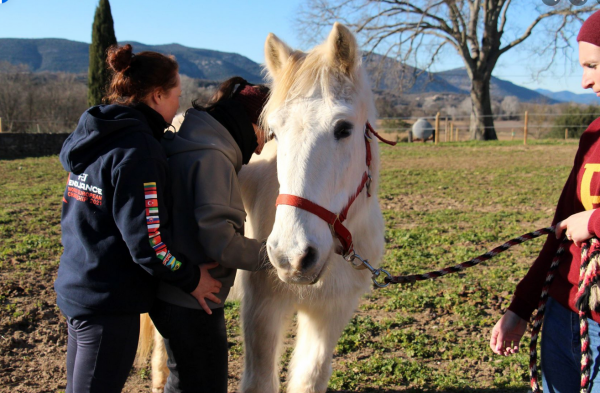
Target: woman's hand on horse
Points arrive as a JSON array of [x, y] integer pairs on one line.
[[207, 287], [575, 227], [507, 334]]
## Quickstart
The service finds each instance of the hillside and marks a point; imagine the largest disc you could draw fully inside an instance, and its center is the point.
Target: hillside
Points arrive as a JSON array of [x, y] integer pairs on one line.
[[459, 78], [567, 96], [387, 74], [59, 55], [47, 54]]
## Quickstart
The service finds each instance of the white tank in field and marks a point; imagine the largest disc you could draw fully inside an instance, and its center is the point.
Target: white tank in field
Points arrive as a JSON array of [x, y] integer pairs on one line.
[[422, 129]]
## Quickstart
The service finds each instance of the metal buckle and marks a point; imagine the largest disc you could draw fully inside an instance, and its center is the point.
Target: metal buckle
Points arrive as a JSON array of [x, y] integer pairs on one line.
[[367, 134], [364, 263], [350, 259]]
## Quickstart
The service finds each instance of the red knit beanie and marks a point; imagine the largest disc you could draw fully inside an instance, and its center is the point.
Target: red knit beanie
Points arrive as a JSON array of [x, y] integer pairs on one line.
[[590, 30], [253, 98]]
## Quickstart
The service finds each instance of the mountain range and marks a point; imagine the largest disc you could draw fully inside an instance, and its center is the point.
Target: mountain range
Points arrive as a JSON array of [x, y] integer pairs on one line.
[[567, 96], [61, 55]]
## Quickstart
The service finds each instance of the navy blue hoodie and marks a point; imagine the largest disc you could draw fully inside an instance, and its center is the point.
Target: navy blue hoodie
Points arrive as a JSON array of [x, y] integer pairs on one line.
[[115, 210]]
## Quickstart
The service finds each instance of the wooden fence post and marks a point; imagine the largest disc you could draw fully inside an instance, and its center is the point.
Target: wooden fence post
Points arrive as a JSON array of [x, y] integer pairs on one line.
[[446, 130], [451, 131], [525, 128], [437, 128], [566, 134], [0, 124]]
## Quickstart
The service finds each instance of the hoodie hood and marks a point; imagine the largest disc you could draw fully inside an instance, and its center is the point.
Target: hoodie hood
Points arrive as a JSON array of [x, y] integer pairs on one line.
[[200, 131], [97, 128]]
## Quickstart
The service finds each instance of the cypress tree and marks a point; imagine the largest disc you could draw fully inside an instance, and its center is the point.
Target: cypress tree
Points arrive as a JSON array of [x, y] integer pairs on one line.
[[103, 36]]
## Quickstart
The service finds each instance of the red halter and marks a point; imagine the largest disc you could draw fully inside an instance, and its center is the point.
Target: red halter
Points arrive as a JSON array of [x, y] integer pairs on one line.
[[335, 220]]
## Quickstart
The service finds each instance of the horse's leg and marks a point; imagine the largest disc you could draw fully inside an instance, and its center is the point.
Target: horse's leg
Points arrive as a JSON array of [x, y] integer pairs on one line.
[[265, 316], [319, 329], [160, 372]]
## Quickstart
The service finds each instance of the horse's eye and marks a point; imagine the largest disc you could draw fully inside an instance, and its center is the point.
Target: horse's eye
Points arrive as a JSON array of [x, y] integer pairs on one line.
[[271, 134], [342, 129]]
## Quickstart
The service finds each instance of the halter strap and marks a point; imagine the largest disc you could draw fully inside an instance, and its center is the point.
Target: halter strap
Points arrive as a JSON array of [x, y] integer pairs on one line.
[[387, 142], [335, 220]]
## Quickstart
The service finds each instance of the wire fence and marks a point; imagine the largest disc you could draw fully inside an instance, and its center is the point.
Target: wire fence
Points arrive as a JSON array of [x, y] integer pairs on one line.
[[506, 126], [42, 126], [450, 127]]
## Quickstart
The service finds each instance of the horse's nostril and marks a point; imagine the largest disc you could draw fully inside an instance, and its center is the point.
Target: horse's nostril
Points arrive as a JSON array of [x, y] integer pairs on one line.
[[308, 258]]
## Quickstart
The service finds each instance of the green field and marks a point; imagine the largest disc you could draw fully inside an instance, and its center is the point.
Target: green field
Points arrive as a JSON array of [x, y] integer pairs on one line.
[[442, 204]]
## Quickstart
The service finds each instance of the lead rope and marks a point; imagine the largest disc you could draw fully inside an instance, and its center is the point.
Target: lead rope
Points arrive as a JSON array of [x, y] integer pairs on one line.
[[585, 301], [472, 262], [539, 317], [587, 298]]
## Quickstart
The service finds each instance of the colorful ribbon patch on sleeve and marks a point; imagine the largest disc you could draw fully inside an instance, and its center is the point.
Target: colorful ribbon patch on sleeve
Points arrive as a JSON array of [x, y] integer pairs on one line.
[[153, 223]]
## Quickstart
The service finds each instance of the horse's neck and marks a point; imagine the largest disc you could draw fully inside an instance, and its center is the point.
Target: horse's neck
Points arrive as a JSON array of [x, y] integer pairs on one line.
[[259, 186]]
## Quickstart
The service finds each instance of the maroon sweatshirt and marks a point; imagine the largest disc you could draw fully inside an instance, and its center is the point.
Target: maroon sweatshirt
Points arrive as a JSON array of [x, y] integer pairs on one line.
[[581, 192]]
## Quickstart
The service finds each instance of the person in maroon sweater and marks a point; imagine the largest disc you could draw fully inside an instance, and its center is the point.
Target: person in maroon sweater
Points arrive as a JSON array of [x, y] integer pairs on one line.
[[578, 216]]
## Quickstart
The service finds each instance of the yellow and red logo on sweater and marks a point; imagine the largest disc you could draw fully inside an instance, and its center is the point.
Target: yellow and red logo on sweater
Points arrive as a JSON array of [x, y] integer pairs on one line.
[[589, 182]]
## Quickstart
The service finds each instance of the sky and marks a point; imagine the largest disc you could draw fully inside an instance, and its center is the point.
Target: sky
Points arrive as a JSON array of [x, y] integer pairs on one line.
[[239, 26]]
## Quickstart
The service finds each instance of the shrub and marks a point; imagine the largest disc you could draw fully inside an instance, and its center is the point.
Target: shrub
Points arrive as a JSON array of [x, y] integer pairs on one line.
[[575, 119], [397, 125]]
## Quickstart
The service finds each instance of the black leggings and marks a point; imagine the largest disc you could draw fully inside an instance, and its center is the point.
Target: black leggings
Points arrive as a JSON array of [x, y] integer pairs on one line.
[[100, 352], [197, 347]]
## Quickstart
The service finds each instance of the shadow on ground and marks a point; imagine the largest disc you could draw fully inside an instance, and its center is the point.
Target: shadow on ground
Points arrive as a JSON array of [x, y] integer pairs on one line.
[[468, 390]]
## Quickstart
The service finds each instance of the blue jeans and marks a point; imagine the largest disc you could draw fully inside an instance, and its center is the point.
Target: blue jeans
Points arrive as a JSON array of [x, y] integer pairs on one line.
[[561, 350]]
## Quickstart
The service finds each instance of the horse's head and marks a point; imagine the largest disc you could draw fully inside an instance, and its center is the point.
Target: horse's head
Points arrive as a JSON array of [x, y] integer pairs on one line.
[[319, 105]]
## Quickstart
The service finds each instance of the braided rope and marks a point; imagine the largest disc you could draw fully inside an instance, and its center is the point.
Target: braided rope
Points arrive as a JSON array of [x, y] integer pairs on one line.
[[475, 261], [588, 276], [588, 256], [539, 317]]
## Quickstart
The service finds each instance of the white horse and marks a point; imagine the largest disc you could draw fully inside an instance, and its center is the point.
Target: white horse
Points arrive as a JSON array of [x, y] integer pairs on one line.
[[320, 104]]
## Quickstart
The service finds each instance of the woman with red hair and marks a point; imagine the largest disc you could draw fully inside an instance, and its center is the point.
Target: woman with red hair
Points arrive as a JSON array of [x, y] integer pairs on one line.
[[115, 212]]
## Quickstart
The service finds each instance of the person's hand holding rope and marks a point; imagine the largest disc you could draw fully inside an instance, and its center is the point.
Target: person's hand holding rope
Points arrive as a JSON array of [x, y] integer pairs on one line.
[[575, 227]]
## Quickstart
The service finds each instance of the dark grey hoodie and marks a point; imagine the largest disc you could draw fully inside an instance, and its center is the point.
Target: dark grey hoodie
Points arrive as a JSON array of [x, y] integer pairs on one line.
[[208, 214]]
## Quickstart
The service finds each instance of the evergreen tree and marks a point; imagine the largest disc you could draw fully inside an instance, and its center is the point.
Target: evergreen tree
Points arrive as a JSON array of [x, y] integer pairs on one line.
[[103, 36]]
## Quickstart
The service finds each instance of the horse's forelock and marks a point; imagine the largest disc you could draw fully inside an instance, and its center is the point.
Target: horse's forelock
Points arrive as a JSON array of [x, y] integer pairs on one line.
[[305, 71]]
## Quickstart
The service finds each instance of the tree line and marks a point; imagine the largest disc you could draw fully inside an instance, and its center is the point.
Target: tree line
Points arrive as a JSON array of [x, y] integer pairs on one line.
[[53, 102], [40, 102]]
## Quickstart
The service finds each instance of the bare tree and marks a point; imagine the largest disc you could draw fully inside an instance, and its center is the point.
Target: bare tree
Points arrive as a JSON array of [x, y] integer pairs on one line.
[[478, 30], [13, 80], [192, 89], [48, 102], [510, 106], [464, 108]]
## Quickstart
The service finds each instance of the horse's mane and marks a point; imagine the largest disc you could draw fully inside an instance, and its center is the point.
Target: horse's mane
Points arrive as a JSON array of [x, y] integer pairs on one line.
[[303, 72]]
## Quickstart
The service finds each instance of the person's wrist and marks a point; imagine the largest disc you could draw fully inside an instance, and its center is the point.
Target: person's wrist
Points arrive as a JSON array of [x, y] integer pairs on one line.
[[594, 223]]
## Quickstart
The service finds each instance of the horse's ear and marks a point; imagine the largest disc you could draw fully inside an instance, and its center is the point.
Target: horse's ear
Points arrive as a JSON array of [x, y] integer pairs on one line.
[[276, 54], [342, 49]]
